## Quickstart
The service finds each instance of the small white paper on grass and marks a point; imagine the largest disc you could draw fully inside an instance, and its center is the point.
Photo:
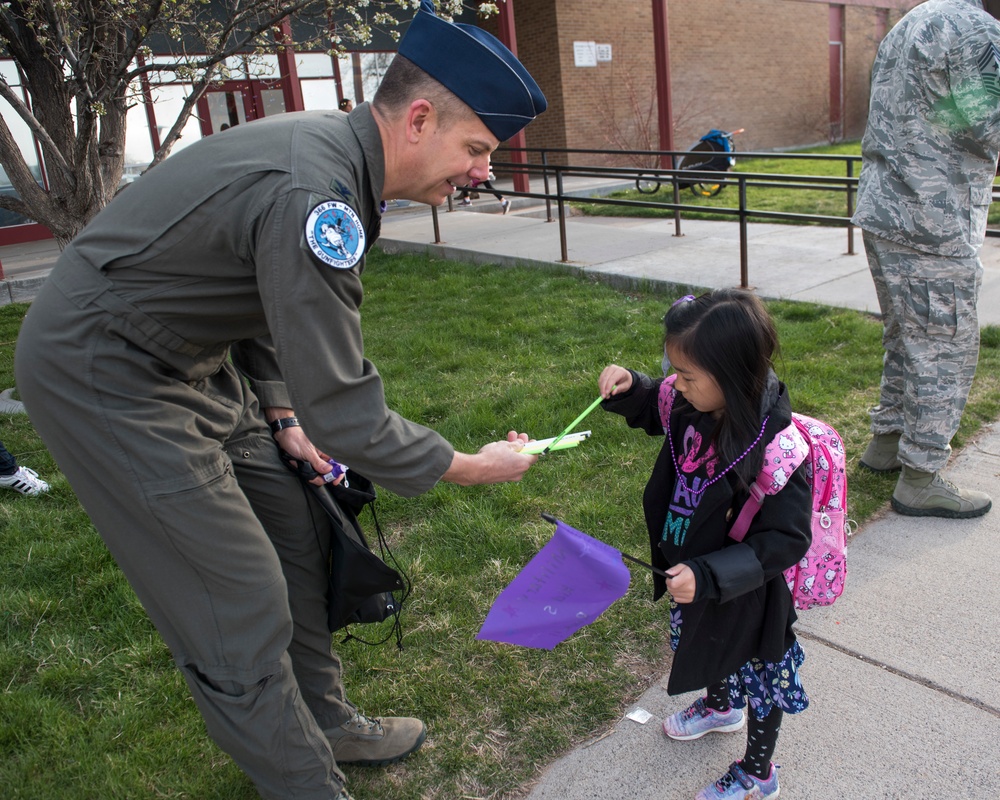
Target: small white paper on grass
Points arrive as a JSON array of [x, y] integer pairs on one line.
[[640, 715]]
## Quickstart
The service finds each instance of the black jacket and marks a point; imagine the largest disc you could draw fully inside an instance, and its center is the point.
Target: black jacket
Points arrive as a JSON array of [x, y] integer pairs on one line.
[[742, 606]]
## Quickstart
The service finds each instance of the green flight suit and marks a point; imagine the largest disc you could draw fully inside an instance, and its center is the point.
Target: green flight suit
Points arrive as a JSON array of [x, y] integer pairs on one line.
[[124, 364]]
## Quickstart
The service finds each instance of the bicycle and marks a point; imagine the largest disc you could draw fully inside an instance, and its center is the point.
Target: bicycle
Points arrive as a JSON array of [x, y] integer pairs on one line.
[[719, 144]]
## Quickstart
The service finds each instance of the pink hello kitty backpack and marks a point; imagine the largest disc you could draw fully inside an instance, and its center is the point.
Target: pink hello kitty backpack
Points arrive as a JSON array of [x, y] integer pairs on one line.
[[818, 579]]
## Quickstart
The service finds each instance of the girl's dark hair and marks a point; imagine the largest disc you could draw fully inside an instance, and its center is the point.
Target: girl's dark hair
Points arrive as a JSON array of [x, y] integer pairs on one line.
[[729, 334]]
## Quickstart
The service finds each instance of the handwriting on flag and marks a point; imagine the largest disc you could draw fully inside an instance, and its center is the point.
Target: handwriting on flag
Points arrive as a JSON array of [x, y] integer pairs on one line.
[[572, 580]]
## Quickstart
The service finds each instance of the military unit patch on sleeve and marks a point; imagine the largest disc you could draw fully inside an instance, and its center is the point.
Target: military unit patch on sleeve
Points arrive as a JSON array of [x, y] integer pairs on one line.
[[989, 69], [335, 235]]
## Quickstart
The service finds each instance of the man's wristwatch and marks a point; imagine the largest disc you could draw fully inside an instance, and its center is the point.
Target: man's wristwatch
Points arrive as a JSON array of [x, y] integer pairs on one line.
[[284, 422]]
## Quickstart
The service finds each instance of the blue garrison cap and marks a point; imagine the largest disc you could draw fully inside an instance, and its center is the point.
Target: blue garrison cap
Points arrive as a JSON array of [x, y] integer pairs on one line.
[[477, 68]]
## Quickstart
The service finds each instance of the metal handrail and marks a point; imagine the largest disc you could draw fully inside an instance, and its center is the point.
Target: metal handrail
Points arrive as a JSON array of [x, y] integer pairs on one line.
[[847, 184], [547, 171]]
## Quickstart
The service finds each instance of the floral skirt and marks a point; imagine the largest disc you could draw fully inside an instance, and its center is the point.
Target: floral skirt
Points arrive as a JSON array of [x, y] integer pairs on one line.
[[761, 684]]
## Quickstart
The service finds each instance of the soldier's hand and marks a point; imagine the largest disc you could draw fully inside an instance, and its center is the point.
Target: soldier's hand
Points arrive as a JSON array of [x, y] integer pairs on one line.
[[497, 462]]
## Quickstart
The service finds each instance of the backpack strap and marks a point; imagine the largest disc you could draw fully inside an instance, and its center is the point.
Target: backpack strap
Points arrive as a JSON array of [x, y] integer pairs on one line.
[[782, 456], [666, 399]]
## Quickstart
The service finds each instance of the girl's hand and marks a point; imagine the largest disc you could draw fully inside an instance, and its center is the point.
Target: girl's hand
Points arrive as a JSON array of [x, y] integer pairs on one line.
[[614, 379], [682, 583]]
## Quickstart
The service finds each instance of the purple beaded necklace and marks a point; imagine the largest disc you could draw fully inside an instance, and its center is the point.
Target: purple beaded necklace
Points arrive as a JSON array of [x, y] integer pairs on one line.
[[683, 480]]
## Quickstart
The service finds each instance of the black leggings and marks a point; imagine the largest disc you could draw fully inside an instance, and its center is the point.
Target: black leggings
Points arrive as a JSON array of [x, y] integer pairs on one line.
[[762, 734]]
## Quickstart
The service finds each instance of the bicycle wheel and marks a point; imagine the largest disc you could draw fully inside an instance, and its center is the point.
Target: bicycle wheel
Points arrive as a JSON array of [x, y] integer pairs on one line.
[[647, 184], [706, 189]]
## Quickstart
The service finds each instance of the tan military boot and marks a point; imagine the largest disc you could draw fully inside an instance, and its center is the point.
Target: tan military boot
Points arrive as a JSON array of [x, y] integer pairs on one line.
[[927, 494], [882, 454], [375, 742]]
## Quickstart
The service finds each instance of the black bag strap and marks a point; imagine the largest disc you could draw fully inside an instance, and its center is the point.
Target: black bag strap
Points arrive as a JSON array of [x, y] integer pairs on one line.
[[342, 504]]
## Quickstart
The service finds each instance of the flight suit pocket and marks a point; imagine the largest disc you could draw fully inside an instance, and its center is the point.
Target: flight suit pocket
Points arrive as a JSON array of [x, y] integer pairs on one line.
[[933, 307], [212, 526], [980, 198]]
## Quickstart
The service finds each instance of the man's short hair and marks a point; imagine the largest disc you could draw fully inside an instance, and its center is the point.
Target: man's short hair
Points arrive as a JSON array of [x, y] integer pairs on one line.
[[405, 82]]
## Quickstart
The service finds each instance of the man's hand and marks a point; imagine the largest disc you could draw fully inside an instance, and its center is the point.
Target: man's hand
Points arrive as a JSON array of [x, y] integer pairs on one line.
[[295, 442], [497, 462]]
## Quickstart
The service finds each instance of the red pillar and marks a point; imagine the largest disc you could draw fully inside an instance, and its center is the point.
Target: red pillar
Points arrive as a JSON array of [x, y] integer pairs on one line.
[[661, 55], [508, 35], [290, 85]]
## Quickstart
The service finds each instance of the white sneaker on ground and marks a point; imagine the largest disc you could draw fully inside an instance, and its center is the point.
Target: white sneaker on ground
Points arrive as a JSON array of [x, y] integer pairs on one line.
[[9, 405], [24, 481]]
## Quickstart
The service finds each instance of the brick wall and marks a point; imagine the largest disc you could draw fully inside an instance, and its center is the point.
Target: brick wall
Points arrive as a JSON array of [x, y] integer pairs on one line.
[[762, 65]]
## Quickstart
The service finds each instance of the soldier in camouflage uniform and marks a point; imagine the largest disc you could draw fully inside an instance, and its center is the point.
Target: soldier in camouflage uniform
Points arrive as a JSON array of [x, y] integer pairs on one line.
[[930, 156]]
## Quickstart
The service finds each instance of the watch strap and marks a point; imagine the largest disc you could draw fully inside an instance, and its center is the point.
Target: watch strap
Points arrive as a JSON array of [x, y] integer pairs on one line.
[[284, 422]]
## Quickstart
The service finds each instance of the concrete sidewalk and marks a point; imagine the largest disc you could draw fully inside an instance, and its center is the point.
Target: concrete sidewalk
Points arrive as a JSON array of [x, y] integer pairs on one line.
[[903, 672]]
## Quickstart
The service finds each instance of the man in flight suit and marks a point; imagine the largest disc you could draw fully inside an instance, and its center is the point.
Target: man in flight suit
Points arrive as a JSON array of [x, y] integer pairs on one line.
[[930, 156], [205, 311]]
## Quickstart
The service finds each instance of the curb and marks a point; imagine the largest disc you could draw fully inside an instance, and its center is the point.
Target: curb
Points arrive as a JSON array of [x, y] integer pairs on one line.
[[19, 290]]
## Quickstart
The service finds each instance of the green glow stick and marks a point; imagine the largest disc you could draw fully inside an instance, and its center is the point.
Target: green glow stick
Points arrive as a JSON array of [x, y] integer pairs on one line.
[[575, 422], [572, 440]]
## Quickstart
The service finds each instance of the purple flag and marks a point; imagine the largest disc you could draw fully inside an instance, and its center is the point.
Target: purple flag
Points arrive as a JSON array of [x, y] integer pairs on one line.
[[569, 584]]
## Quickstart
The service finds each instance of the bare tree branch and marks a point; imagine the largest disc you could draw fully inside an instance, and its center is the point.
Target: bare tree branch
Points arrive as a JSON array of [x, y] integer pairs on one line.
[[51, 150], [197, 90]]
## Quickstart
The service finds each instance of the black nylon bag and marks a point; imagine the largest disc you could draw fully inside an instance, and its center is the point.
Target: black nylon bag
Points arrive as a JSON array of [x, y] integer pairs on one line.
[[361, 584]]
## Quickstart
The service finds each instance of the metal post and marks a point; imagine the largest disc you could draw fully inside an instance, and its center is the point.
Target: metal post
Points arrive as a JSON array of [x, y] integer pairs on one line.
[[545, 177], [562, 216], [744, 258], [850, 208], [437, 229], [677, 198]]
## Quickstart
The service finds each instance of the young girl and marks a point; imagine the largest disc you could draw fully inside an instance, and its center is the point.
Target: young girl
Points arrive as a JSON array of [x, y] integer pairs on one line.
[[731, 612]]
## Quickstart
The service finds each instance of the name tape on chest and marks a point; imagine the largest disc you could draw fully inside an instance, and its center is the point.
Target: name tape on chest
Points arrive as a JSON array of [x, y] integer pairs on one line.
[[335, 235]]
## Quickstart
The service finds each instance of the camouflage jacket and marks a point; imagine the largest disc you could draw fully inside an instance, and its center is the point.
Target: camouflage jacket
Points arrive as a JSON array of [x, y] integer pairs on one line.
[[930, 148]]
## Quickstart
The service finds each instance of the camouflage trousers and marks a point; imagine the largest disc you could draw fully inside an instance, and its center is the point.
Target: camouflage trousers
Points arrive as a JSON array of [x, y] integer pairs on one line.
[[931, 340]]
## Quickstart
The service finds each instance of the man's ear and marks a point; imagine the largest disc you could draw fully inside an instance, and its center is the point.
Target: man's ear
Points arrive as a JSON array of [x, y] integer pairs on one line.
[[418, 117]]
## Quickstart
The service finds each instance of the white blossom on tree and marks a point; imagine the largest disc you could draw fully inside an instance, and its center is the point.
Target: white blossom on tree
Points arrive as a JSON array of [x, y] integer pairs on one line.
[[79, 62]]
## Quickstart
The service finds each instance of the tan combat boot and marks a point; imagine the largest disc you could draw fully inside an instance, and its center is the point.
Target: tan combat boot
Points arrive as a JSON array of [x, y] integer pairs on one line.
[[927, 494], [375, 742], [882, 454]]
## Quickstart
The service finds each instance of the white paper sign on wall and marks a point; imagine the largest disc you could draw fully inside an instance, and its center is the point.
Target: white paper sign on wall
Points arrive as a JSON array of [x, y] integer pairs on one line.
[[585, 54]]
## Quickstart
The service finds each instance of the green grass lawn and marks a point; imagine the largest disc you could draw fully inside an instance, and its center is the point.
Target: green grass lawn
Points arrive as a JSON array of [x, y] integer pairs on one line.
[[92, 706], [785, 199]]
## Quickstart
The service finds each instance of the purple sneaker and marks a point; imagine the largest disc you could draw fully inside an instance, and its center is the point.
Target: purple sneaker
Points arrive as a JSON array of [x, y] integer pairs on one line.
[[698, 719], [737, 785]]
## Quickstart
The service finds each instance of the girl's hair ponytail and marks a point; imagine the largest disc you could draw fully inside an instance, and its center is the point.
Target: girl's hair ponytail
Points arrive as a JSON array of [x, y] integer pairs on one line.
[[729, 334]]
